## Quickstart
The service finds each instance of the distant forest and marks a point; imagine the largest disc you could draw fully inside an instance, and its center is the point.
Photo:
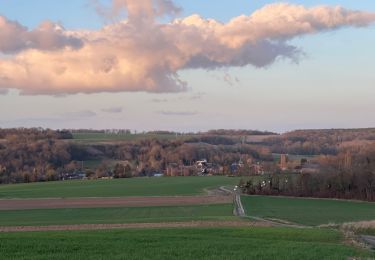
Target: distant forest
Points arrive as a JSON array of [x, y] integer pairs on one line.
[[31, 155], [346, 157]]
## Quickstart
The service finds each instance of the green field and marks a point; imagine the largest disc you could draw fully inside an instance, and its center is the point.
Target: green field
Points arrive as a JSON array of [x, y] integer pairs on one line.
[[164, 186], [102, 137], [179, 243], [308, 211], [293, 157], [44, 217], [94, 164]]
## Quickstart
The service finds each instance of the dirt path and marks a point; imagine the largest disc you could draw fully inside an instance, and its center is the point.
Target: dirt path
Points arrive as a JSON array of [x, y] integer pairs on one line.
[[191, 224], [13, 204], [370, 240]]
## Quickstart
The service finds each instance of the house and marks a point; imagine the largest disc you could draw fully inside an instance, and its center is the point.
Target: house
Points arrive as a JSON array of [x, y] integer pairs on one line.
[[173, 169], [76, 175], [284, 162], [310, 168]]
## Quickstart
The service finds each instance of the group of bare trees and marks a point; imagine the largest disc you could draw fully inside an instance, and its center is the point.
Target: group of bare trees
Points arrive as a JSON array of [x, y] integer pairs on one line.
[[30, 155], [312, 142], [348, 175]]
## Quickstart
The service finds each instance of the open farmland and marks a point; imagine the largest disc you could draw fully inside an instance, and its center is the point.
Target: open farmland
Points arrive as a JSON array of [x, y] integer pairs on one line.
[[173, 186], [179, 243], [308, 211], [69, 216], [103, 137], [55, 203]]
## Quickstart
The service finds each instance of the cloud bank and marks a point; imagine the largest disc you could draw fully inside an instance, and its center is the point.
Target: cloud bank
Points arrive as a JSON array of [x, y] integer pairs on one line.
[[177, 113], [112, 110], [142, 54]]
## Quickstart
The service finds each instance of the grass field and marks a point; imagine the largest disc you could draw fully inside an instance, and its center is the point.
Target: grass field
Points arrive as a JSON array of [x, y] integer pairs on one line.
[[93, 164], [180, 243], [308, 211], [117, 188], [293, 157], [44, 217], [102, 137]]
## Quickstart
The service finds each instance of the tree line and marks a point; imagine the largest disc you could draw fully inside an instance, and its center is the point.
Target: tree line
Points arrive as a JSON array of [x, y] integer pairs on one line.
[[348, 175], [31, 155], [313, 142]]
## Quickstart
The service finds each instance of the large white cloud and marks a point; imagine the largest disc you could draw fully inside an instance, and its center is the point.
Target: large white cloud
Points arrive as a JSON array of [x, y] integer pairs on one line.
[[140, 54]]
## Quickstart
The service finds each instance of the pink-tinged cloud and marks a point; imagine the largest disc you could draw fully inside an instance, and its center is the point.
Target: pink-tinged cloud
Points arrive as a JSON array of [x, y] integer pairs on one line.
[[138, 11], [48, 36], [140, 54]]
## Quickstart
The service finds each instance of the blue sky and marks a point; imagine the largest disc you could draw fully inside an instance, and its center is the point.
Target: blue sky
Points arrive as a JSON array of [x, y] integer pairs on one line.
[[80, 14], [332, 86]]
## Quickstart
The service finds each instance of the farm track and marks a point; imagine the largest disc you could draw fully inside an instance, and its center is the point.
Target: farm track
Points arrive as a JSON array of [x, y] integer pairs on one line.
[[191, 224], [370, 240], [18, 204]]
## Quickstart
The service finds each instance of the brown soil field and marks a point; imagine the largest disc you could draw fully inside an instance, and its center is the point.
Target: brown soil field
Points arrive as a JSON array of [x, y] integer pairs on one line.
[[213, 224], [14, 204]]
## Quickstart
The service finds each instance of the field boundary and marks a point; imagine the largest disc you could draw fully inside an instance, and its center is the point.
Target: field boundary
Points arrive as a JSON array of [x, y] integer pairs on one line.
[[310, 198], [54, 203], [190, 224]]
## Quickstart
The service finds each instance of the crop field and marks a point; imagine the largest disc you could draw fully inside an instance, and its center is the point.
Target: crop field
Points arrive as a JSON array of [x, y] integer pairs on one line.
[[102, 137], [179, 243], [308, 211], [164, 186], [293, 157], [177, 231], [42, 217]]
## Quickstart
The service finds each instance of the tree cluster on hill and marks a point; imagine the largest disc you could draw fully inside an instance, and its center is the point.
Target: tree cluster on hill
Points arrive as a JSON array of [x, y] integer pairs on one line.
[[348, 175], [154, 155], [312, 142], [233, 132], [29, 155]]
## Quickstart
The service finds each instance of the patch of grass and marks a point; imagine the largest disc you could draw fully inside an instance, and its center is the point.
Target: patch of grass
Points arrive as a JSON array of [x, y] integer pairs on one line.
[[293, 157], [165, 186], [94, 164], [180, 243], [102, 137], [370, 232], [44, 217], [308, 211]]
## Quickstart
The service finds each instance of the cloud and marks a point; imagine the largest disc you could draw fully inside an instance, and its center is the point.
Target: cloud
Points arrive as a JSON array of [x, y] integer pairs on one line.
[[142, 54], [177, 113], [197, 96], [230, 80], [138, 11], [159, 100], [113, 110], [4, 91], [79, 114], [48, 36], [46, 121]]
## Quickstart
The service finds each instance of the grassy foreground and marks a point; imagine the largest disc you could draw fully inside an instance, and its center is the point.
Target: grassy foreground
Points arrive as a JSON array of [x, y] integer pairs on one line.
[[165, 186], [44, 217], [308, 211], [181, 243]]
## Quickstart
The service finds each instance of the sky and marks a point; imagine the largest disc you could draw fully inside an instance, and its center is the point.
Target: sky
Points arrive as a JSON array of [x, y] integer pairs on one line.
[[187, 65]]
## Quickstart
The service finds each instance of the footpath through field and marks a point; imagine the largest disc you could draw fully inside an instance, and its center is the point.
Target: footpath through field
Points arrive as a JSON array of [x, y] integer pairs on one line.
[[12, 204]]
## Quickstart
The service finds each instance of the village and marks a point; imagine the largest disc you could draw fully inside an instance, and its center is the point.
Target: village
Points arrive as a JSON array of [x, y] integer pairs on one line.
[[244, 167]]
